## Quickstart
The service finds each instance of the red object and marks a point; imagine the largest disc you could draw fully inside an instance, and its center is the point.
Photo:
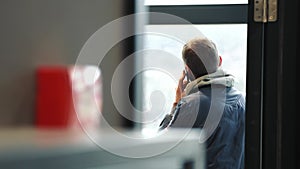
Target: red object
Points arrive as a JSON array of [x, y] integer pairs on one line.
[[54, 103]]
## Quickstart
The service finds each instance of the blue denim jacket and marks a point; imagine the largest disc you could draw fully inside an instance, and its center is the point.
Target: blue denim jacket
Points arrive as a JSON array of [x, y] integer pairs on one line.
[[226, 139]]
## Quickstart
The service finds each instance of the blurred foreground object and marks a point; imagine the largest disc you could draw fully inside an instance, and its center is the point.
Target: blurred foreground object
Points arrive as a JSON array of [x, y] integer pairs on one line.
[[68, 96], [72, 149]]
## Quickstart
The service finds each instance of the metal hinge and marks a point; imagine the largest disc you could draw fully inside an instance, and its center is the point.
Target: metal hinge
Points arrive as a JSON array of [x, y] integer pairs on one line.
[[265, 11]]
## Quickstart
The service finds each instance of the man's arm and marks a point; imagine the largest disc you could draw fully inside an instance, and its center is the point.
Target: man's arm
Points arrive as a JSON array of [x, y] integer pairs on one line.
[[169, 118]]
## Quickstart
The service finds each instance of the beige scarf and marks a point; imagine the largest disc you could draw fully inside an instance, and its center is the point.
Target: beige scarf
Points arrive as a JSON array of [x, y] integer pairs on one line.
[[219, 77]]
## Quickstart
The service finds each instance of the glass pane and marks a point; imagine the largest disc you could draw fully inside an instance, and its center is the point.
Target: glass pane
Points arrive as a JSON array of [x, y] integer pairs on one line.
[[194, 2], [231, 42]]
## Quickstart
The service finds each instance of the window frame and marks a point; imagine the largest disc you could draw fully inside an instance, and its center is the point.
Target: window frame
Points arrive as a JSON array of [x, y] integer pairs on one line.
[[202, 14]]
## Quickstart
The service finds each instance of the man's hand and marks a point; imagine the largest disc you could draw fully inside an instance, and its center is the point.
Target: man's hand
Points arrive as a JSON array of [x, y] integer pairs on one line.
[[180, 88]]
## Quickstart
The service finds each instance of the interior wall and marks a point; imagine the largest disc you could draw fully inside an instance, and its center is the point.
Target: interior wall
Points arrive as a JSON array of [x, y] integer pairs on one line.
[[48, 32]]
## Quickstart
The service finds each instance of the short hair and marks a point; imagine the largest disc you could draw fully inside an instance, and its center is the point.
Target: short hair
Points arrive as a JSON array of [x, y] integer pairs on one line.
[[201, 56]]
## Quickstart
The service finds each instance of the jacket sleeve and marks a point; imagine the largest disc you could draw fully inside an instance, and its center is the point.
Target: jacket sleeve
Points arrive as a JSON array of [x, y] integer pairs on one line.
[[170, 118], [184, 114]]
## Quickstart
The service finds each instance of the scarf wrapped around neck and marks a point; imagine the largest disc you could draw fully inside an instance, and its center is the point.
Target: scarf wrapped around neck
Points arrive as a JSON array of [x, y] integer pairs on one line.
[[218, 78]]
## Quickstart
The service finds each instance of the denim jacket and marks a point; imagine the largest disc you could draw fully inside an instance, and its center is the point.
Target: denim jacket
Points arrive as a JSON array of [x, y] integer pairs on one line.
[[226, 106]]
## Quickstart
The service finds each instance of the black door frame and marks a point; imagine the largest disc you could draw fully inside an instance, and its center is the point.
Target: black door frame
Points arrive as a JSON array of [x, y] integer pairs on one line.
[[281, 47]]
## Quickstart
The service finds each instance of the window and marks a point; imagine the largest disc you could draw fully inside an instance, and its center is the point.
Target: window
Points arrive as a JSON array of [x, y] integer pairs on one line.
[[224, 22]]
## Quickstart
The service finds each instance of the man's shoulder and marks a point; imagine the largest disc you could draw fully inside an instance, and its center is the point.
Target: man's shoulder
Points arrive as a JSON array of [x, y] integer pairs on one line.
[[235, 94]]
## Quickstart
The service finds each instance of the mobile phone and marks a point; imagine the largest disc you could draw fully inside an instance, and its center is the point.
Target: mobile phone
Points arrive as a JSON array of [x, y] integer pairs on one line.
[[187, 76]]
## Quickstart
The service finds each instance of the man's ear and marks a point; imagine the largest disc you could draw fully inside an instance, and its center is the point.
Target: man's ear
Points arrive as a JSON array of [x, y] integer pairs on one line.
[[220, 60]]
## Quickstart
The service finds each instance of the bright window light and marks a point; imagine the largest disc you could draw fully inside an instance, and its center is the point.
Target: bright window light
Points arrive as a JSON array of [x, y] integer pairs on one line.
[[194, 2]]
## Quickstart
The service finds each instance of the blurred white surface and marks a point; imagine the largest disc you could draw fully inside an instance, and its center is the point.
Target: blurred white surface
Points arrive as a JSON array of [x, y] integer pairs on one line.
[[32, 148]]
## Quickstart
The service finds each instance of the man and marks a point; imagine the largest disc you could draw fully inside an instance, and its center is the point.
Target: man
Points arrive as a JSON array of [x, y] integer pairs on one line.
[[208, 100]]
